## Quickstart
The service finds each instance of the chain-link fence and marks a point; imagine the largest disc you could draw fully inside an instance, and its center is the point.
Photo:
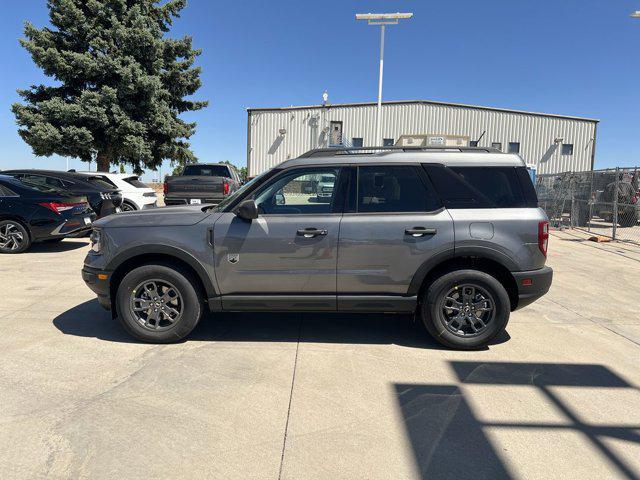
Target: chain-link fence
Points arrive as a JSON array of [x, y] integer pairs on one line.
[[604, 202]]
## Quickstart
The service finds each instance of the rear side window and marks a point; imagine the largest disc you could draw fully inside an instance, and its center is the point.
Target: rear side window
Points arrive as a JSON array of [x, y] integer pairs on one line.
[[207, 170], [135, 181], [393, 189], [479, 187]]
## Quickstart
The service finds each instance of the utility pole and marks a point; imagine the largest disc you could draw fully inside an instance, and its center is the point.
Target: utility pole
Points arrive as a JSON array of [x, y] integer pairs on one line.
[[382, 19]]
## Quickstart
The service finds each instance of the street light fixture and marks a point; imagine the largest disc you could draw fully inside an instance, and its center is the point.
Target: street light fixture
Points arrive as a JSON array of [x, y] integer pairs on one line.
[[382, 19]]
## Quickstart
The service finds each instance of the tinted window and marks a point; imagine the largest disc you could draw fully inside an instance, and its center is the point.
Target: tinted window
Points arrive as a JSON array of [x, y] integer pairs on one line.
[[135, 181], [388, 142], [7, 192], [478, 187], [207, 170], [357, 142], [393, 189], [567, 149], [514, 147], [101, 182], [302, 191]]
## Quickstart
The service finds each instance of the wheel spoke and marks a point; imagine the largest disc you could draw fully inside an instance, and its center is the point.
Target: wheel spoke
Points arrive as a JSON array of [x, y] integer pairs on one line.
[[467, 309], [156, 304]]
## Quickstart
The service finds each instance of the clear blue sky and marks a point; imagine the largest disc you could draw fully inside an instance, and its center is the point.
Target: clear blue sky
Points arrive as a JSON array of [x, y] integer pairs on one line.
[[573, 57]]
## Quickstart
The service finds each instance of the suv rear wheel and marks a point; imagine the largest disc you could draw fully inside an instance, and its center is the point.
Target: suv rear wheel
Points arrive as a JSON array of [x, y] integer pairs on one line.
[[465, 309], [158, 303]]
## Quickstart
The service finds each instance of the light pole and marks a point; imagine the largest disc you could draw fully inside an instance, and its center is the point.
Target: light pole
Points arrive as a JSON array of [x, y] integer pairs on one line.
[[382, 19]]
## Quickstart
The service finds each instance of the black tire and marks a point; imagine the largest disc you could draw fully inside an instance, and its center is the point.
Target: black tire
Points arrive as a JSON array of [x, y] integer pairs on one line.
[[434, 317], [14, 237], [181, 281], [128, 207]]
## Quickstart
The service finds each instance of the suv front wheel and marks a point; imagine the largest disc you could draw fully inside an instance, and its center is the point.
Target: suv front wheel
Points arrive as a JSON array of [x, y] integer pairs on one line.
[[158, 303], [465, 309]]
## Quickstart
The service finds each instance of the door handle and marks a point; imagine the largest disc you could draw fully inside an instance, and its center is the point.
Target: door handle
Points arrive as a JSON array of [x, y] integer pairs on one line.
[[420, 231], [311, 232]]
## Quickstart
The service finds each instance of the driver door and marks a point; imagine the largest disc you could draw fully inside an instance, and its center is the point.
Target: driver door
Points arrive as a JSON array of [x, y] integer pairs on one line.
[[287, 257]]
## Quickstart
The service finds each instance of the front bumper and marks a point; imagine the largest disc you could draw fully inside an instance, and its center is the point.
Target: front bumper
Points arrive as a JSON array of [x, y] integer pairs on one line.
[[532, 285], [98, 281]]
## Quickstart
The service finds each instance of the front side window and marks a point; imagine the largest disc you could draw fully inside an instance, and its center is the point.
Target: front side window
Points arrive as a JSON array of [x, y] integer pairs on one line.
[[302, 191], [393, 189]]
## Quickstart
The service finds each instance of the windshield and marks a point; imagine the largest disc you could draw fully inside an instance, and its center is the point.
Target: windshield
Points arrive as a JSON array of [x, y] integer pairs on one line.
[[101, 182], [238, 193]]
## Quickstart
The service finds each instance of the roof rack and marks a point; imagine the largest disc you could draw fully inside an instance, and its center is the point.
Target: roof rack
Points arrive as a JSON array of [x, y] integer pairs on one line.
[[332, 151]]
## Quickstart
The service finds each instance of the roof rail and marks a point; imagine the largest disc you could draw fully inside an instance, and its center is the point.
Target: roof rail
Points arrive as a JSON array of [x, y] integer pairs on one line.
[[332, 151]]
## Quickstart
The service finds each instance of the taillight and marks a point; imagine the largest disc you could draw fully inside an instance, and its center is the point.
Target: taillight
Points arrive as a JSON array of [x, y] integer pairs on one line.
[[59, 207], [225, 188], [543, 237], [165, 188]]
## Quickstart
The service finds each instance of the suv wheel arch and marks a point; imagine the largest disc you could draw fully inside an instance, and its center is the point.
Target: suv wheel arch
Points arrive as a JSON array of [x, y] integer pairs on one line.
[[161, 254], [442, 264]]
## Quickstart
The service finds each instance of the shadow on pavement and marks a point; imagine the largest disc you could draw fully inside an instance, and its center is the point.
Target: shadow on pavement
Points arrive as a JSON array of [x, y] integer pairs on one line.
[[448, 440], [56, 247], [90, 320]]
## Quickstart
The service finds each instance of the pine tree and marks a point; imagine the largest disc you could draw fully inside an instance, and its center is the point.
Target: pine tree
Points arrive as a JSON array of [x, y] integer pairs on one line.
[[120, 87]]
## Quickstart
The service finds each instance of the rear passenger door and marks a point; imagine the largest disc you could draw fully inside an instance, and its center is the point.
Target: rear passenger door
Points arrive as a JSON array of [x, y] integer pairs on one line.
[[394, 222]]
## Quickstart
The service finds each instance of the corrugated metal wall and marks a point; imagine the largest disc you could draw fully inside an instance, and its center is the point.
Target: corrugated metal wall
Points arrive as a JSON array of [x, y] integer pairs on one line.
[[277, 135]]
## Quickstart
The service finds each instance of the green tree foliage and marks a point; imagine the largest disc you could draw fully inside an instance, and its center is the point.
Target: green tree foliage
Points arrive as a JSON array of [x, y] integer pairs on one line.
[[120, 87]]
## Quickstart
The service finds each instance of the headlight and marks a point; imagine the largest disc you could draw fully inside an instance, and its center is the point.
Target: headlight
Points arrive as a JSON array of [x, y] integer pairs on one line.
[[96, 240]]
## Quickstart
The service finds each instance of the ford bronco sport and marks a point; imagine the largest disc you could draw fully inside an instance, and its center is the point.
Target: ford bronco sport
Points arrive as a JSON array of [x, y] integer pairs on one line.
[[453, 235]]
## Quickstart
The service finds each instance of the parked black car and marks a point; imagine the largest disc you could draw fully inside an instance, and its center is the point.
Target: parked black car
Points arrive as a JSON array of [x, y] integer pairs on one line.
[[33, 212], [102, 196]]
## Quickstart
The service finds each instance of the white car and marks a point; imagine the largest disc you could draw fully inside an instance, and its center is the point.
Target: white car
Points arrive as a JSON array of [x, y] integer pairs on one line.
[[135, 194]]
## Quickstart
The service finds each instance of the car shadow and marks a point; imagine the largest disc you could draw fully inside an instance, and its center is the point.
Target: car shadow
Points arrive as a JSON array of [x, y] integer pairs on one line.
[[57, 247], [90, 320]]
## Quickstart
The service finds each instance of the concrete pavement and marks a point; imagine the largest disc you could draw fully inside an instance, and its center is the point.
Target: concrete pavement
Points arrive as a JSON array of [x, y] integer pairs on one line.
[[255, 396]]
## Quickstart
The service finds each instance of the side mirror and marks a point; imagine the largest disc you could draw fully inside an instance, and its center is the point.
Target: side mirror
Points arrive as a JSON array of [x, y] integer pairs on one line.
[[247, 210]]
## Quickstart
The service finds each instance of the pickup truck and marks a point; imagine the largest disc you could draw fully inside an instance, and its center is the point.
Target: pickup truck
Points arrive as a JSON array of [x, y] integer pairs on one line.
[[201, 183]]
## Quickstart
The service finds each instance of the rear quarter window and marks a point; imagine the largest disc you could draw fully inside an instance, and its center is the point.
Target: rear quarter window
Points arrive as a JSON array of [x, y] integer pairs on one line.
[[481, 187]]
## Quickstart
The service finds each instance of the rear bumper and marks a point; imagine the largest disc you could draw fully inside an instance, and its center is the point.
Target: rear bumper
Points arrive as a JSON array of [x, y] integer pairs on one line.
[[169, 200], [532, 285], [100, 286]]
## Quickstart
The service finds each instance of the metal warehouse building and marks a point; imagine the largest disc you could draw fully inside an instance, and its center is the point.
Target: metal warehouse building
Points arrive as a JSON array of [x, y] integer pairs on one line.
[[549, 143]]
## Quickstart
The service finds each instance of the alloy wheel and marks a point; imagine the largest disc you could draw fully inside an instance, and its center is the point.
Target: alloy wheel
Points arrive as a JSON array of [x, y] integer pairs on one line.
[[127, 208], [156, 305], [11, 237], [467, 309]]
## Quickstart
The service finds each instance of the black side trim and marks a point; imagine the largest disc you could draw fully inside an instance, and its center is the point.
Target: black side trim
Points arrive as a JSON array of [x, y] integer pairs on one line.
[[282, 303], [376, 303], [166, 250]]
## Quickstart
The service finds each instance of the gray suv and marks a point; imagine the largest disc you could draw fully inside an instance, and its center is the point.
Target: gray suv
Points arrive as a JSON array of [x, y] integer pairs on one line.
[[453, 235]]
